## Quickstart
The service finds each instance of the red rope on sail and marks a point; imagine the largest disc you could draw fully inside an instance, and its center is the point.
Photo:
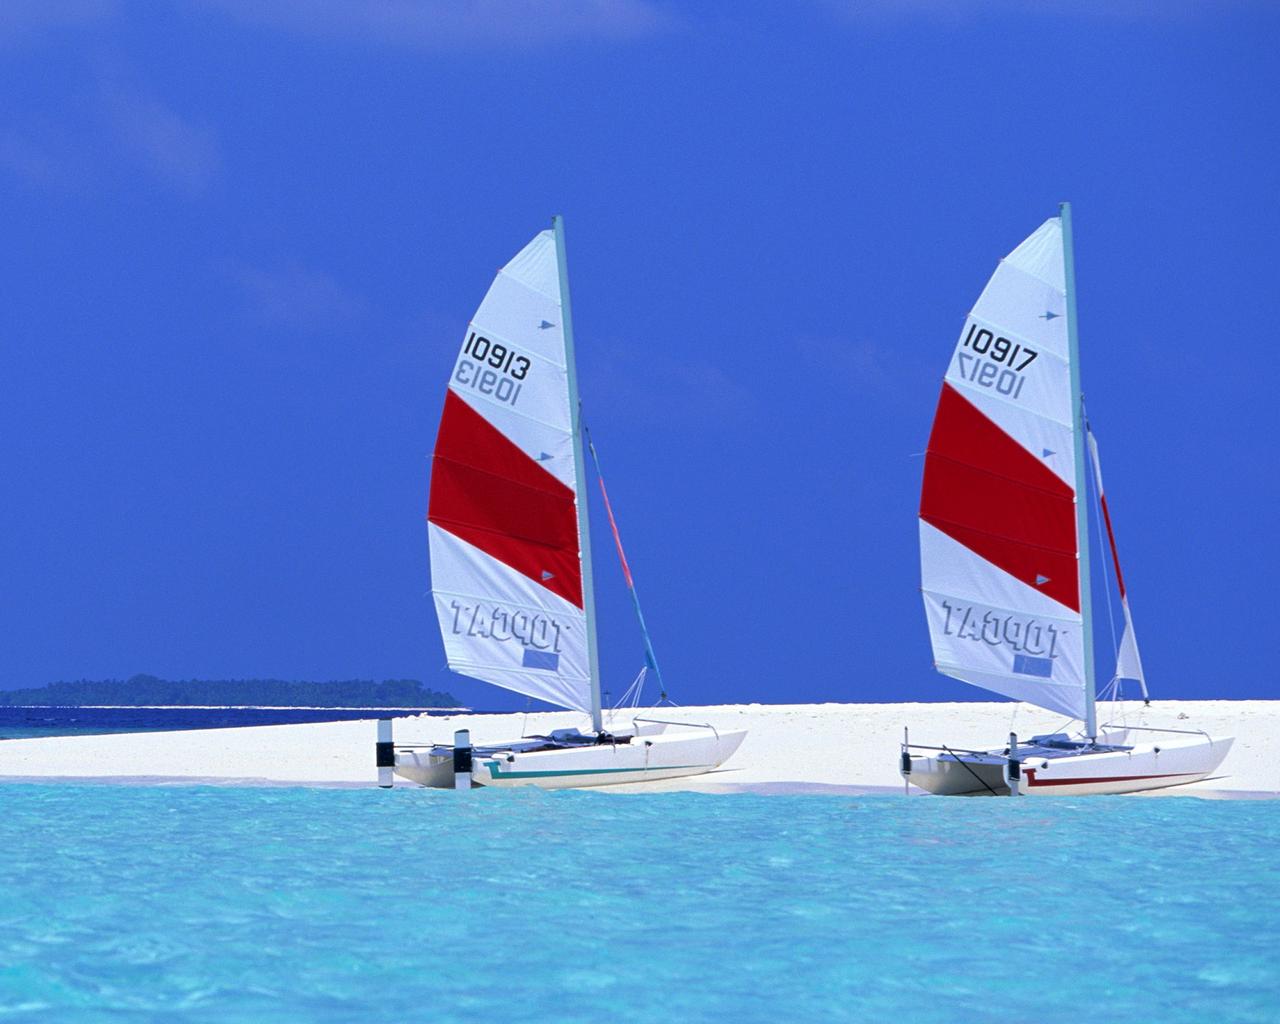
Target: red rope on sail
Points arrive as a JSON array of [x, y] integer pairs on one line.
[[617, 538]]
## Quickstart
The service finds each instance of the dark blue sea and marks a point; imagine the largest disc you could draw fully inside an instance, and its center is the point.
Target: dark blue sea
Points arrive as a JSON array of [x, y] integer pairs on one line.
[[26, 722]]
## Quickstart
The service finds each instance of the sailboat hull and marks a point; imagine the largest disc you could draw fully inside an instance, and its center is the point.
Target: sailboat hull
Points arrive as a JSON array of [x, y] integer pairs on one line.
[[644, 759], [1074, 769], [426, 768], [647, 757], [1149, 766], [961, 775]]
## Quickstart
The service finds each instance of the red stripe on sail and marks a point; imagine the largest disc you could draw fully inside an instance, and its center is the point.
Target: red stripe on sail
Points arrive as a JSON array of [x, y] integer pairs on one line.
[[488, 492], [1115, 555], [983, 489]]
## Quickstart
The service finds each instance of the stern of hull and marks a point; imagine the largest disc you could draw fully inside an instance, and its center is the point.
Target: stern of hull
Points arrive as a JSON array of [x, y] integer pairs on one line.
[[957, 776]]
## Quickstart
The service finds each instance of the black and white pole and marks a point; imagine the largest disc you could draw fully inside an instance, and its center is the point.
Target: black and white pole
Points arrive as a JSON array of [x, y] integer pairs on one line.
[[462, 759], [386, 754], [905, 765], [1013, 766]]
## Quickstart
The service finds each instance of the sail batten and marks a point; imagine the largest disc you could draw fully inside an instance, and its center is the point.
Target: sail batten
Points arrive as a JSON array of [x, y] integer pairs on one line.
[[507, 572], [1004, 477], [990, 402], [999, 542]]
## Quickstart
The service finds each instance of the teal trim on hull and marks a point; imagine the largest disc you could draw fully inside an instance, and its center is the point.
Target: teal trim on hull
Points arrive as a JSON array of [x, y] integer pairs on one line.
[[495, 774]]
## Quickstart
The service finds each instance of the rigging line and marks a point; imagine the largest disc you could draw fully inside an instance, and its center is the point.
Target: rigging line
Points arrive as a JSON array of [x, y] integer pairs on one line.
[[650, 657], [1063, 727], [631, 692], [637, 688], [1097, 524], [1117, 712], [1106, 581], [973, 773], [1105, 517]]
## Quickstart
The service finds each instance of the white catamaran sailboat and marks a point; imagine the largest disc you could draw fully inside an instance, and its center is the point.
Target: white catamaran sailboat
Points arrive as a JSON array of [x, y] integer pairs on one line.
[[511, 548], [1004, 548]]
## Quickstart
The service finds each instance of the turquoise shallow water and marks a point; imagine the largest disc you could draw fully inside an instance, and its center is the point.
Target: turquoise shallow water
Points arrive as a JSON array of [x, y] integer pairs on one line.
[[194, 904]]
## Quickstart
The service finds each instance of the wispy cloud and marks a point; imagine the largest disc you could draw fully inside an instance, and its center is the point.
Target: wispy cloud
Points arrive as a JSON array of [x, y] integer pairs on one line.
[[297, 298], [58, 155], [862, 366], [663, 389], [157, 138], [21, 19], [443, 24], [36, 161], [119, 131]]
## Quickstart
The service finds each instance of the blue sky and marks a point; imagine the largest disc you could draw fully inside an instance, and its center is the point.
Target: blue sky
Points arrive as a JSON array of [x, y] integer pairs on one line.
[[242, 243]]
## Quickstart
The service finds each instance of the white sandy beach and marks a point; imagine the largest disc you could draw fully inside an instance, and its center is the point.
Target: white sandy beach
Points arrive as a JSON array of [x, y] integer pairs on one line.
[[789, 748]]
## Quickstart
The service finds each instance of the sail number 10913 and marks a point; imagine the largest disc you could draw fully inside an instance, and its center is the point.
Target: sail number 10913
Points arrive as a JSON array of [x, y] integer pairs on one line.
[[499, 356], [492, 369]]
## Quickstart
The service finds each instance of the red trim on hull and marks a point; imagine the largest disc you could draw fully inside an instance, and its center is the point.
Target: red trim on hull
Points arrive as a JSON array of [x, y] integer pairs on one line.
[[983, 489], [1030, 773], [489, 493]]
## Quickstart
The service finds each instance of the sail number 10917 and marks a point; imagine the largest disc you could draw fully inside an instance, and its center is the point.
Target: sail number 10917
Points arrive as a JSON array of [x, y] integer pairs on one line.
[[1001, 364], [1002, 350]]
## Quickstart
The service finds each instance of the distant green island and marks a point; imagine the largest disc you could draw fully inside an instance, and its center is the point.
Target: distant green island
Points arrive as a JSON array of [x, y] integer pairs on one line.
[[148, 691]]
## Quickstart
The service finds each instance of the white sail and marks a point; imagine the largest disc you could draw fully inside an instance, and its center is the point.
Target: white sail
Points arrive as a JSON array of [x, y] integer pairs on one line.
[[506, 564], [998, 543], [1128, 661]]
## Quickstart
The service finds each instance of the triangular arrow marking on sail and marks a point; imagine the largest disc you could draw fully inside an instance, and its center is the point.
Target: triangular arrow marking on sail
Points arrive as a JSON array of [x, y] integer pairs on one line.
[[487, 465], [998, 504]]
